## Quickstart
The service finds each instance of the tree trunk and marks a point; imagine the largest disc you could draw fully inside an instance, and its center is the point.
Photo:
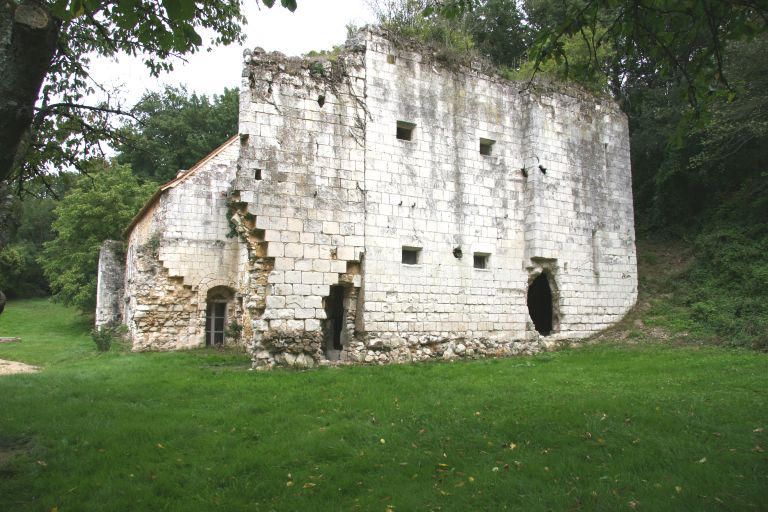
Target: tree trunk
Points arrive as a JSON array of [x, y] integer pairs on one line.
[[28, 35]]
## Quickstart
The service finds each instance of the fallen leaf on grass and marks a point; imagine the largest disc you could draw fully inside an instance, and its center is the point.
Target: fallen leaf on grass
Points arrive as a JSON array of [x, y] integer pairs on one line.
[[678, 489], [702, 460], [759, 429], [633, 504], [160, 446], [758, 449], [289, 483], [309, 485]]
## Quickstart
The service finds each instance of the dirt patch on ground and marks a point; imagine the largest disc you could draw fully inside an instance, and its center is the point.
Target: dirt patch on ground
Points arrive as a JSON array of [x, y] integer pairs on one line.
[[11, 367], [11, 448]]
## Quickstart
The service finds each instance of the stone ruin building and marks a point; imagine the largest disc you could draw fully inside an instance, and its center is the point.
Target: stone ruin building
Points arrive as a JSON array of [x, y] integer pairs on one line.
[[383, 206]]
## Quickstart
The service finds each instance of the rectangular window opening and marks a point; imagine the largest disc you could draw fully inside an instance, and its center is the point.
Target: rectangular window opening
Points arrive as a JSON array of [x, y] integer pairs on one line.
[[411, 255], [257, 174], [486, 146], [481, 260], [405, 130]]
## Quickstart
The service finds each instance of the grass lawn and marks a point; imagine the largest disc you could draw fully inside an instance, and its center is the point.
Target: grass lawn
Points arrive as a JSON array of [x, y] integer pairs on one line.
[[608, 427]]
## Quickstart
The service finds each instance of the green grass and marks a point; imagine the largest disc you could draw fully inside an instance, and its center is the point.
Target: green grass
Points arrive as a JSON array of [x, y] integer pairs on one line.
[[608, 427]]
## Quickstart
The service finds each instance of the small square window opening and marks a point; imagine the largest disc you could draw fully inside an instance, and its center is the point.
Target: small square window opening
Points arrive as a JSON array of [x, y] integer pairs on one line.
[[405, 130], [411, 255], [481, 260], [257, 174], [486, 146]]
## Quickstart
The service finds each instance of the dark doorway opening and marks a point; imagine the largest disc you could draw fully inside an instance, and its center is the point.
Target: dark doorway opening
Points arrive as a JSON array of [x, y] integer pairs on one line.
[[540, 304], [215, 320], [334, 324]]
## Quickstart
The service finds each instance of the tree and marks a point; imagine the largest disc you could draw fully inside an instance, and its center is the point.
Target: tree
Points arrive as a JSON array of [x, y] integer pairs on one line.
[[20, 273], [173, 130], [500, 32], [98, 208], [676, 40], [44, 56]]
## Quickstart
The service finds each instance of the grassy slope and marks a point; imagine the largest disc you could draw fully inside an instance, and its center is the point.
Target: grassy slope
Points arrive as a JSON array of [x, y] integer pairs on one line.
[[602, 428]]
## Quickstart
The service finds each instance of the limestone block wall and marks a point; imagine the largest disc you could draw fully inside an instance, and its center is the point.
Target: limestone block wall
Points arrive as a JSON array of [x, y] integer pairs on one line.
[[109, 285], [345, 165], [438, 193], [579, 215], [178, 250], [300, 194]]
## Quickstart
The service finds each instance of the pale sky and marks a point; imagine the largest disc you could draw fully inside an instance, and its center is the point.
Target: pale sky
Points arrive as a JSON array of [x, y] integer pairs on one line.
[[315, 25]]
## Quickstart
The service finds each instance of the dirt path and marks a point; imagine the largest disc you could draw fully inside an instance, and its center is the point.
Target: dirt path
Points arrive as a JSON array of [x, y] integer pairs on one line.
[[11, 367]]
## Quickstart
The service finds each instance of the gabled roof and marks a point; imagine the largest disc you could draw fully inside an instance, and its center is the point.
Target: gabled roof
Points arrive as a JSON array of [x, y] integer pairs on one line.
[[179, 179]]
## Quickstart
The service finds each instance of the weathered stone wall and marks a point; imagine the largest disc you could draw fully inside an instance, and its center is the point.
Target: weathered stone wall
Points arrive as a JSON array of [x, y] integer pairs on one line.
[[320, 194], [437, 192], [300, 186], [109, 285], [180, 249], [338, 191]]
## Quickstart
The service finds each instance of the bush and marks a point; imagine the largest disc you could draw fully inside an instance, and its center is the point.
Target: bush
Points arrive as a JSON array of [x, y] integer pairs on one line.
[[107, 335], [234, 330]]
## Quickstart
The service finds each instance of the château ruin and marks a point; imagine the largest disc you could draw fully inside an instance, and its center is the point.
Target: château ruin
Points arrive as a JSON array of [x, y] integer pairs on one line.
[[383, 206]]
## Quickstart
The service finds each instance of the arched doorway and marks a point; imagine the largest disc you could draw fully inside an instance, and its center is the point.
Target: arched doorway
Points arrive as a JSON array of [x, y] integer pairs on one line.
[[540, 307], [216, 313]]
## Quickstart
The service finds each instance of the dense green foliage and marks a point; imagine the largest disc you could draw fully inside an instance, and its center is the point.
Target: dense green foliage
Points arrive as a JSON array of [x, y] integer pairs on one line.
[[173, 130], [98, 207], [611, 427], [25, 225], [20, 273], [709, 186]]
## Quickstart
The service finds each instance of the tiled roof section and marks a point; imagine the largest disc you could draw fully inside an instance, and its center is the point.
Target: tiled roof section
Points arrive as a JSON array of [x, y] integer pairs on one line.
[[176, 181]]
